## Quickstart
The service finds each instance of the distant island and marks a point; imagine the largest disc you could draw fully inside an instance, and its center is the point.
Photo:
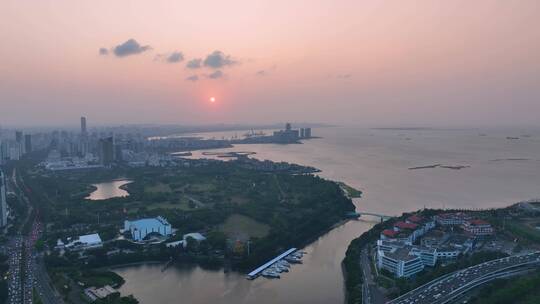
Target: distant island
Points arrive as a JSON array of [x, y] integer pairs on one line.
[[453, 167], [406, 128]]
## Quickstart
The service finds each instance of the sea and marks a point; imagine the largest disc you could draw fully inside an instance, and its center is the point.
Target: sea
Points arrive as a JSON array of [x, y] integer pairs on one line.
[[397, 169]]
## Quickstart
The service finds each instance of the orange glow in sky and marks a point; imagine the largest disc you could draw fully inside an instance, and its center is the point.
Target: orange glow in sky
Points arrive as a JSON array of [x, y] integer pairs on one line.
[[369, 62]]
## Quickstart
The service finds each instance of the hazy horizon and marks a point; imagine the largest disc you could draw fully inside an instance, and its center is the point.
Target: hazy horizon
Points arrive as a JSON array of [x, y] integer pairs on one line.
[[370, 63]]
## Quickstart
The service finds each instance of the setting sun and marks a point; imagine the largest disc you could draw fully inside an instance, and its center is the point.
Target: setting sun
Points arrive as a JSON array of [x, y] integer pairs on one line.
[[212, 99]]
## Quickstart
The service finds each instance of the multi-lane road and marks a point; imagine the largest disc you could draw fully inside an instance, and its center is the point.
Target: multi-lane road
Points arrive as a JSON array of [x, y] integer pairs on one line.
[[370, 292], [26, 274], [451, 286], [14, 252]]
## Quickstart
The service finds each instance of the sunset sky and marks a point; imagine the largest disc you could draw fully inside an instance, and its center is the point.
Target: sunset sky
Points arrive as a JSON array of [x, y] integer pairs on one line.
[[371, 62]]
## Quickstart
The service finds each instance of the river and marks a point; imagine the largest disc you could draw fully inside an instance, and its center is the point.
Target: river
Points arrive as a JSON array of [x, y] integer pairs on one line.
[[502, 171]]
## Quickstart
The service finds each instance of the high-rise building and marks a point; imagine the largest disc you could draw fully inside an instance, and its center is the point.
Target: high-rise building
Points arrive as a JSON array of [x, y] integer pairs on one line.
[[3, 151], [19, 136], [3, 203], [106, 150], [15, 151], [19, 146], [307, 132], [28, 143], [302, 133], [288, 135], [83, 126]]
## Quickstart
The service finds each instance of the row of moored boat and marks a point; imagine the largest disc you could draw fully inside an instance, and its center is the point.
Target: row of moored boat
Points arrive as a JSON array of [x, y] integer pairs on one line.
[[283, 265]]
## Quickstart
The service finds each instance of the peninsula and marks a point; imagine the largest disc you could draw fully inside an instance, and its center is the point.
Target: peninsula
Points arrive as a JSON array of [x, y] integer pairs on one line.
[[234, 215], [448, 256]]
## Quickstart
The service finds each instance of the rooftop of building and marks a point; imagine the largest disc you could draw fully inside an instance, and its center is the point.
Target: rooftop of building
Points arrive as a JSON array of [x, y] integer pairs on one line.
[[90, 238], [149, 222], [453, 215], [423, 249], [390, 232], [478, 222], [404, 225], [402, 254], [417, 219]]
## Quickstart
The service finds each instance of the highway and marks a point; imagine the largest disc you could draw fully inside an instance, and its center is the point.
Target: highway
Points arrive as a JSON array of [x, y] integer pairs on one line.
[[29, 274], [43, 286], [14, 252], [449, 287]]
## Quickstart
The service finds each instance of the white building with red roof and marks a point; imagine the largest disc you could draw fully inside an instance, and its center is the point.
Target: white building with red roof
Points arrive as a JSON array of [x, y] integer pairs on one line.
[[452, 218], [478, 227], [409, 230]]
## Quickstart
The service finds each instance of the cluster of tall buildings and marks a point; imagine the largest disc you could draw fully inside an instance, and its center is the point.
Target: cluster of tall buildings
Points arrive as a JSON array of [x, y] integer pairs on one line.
[[13, 148], [88, 149], [291, 135], [62, 144], [71, 150]]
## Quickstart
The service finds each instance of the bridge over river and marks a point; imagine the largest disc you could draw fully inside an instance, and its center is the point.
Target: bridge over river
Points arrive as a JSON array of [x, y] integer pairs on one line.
[[383, 217]]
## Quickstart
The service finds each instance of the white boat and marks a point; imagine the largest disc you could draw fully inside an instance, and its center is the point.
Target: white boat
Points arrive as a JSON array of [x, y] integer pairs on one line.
[[280, 268], [284, 263], [270, 274], [294, 260]]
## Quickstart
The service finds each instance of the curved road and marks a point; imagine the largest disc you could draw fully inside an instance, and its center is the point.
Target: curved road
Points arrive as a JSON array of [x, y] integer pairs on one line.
[[448, 287]]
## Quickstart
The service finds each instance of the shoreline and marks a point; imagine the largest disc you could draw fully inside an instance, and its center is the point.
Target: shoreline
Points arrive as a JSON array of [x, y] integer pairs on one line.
[[302, 245], [112, 267]]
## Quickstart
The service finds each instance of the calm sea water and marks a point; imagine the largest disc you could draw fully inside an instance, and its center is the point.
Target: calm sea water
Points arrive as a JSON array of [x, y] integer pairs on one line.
[[502, 171]]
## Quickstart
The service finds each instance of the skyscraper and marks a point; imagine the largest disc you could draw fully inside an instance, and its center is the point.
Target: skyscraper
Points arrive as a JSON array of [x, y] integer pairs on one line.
[[83, 126], [17, 149], [28, 143], [106, 151], [3, 203], [19, 136], [307, 132], [3, 151]]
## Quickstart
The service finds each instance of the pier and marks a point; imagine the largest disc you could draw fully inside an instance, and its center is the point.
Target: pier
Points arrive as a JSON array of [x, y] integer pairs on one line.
[[255, 273]]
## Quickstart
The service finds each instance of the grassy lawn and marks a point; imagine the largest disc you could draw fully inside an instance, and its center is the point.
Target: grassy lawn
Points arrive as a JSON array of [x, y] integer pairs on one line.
[[202, 187], [158, 188], [100, 278], [524, 230], [242, 227], [182, 205], [350, 191]]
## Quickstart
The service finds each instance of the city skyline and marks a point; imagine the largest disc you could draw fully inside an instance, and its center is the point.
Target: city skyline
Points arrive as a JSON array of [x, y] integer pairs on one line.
[[372, 62]]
